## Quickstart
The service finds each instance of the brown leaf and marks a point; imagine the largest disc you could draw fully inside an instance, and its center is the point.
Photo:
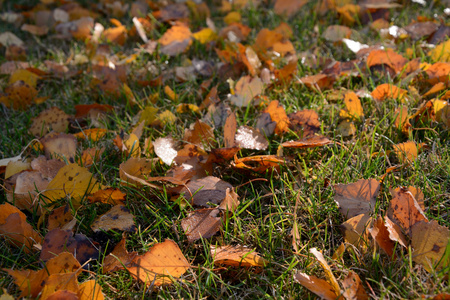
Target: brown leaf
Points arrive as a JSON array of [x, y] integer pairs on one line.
[[386, 234], [59, 217], [316, 285], [158, 266], [48, 168], [245, 90], [14, 228], [416, 192], [63, 295], [358, 197], [206, 190], [57, 282], [317, 82], [118, 217], [119, 258], [60, 146], [308, 142], [230, 202], [31, 282], [405, 211], [229, 130], [353, 288], [259, 163], [305, 122], [328, 273], [249, 138], [58, 241], [237, 256], [355, 230], [335, 33], [51, 119], [288, 7], [135, 167], [200, 134], [202, 223], [430, 241], [28, 186]]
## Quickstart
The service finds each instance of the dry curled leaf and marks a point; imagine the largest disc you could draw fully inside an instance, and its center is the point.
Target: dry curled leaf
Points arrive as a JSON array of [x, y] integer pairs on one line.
[[237, 256], [308, 142]]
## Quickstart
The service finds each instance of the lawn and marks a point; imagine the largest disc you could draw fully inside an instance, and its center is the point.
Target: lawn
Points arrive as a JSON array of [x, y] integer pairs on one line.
[[305, 143]]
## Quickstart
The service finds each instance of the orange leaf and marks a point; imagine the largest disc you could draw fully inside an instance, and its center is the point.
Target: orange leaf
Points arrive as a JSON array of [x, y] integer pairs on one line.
[[110, 196], [278, 115], [308, 142], [237, 256], [158, 266], [119, 258], [386, 90], [386, 57]]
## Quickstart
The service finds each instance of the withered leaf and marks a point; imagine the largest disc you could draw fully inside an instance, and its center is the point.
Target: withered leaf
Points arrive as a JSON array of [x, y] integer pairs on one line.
[[58, 241], [203, 223], [316, 285], [249, 138], [356, 230], [308, 142], [60, 217], [278, 115], [305, 121], [61, 146], [386, 234], [119, 258], [51, 119], [358, 197], [238, 256], [206, 190], [165, 149], [353, 287], [118, 217]]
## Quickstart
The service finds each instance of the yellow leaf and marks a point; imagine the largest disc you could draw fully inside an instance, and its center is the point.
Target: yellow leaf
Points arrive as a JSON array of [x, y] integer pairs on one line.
[[72, 181], [132, 145], [441, 52], [205, 35], [148, 115], [232, 17], [170, 93], [24, 75], [166, 117]]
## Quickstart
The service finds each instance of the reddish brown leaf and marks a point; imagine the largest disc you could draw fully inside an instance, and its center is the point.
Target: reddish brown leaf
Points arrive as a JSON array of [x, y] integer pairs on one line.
[[308, 142], [203, 223], [119, 258], [237, 256], [118, 217], [358, 197]]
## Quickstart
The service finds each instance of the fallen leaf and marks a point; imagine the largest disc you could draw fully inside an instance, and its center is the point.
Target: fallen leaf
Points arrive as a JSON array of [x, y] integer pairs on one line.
[[118, 218], [405, 211], [28, 186], [90, 289], [202, 223], [386, 234], [406, 152], [249, 138], [386, 91], [237, 256], [93, 134], [60, 217], [229, 130], [357, 198], [15, 229], [402, 120], [135, 167], [416, 192], [346, 128], [441, 52], [316, 285], [336, 33], [60, 145], [353, 109], [176, 40], [71, 181], [230, 202], [119, 258], [328, 273], [278, 115], [31, 282], [288, 7], [112, 196], [245, 90], [305, 122], [159, 266], [206, 190], [51, 119], [59, 241], [430, 241], [308, 142], [386, 57], [317, 82], [353, 288], [58, 282], [200, 134], [165, 149], [356, 230], [259, 163]]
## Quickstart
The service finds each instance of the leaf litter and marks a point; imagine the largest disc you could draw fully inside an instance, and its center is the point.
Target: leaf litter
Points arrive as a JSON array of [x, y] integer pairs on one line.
[[248, 69]]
